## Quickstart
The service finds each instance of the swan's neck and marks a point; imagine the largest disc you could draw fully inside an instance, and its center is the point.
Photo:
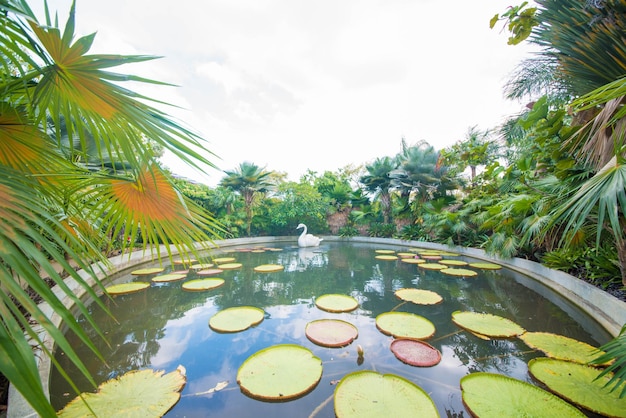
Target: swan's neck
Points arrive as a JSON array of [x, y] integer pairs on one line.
[[303, 231]]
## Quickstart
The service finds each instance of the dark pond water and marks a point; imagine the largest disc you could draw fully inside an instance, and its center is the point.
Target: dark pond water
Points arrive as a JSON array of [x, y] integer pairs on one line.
[[165, 326]]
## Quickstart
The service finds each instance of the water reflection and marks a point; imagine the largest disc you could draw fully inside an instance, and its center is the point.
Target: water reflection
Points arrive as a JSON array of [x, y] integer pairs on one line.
[[165, 326]]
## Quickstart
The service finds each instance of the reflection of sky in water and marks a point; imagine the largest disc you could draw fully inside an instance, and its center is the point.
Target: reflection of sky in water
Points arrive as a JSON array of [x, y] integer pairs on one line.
[[165, 326]]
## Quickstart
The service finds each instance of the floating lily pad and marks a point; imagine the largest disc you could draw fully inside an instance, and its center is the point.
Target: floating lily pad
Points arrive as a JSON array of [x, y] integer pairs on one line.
[[184, 262], [448, 254], [223, 260], [432, 266], [415, 352], [413, 260], [561, 347], [496, 395], [331, 332], [269, 268], [406, 255], [487, 324], [367, 394], [126, 288], [419, 296], [172, 277], [230, 266], [431, 257], [147, 271], [486, 266], [385, 251], [272, 249], [201, 266], [236, 319], [258, 250], [280, 373], [138, 393], [386, 257], [459, 272], [404, 324], [453, 262], [209, 272], [577, 383], [336, 303], [198, 285]]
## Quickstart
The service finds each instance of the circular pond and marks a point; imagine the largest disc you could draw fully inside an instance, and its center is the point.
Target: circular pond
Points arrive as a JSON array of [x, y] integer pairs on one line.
[[165, 326]]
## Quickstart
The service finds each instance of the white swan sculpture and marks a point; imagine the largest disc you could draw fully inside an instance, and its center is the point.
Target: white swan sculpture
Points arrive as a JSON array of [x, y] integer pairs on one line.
[[307, 240]]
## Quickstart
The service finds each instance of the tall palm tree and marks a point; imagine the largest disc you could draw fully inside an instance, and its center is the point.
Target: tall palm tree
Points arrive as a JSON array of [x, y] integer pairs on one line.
[[249, 180], [378, 182], [53, 207]]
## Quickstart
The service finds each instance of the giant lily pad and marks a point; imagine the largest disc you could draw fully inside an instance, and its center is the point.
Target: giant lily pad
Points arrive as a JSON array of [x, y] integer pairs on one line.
[[269, 268], [201, 266], [280, 373], [230, 266], [385, 251], [432, 266], [495, 395], [172, 277], [413, 260], [126, 288], [577, 383], [459, 272], [198, 285], [138, 393], [331, 332], [561, 347], [336, 303], [367, 394], [404, 324], [486, 266], [223, 260], [487, 324], [453, 262], [419, 296], [147, 271], [415, 352], [236, 319], [209, 272], [406, 255], [386, 257]]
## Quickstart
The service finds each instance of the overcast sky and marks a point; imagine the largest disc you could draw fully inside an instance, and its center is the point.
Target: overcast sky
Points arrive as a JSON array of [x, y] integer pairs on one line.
[[292, 85]]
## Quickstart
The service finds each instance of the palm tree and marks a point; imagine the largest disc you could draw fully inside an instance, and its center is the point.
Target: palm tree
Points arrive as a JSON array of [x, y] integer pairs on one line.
[[249, 180], [378, 182], [52, 207]]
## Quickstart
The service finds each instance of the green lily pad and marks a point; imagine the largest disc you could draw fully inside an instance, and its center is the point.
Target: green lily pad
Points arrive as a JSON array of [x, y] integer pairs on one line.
[[415, 352], [486, 266], [230, 266], [198, 285], [280, 373], [331, 332], [495, 395], [413, 260], [432, 266], [147, 271], [336, 303], [385, 251], [459, 272], [138, 393], [223, 260], [126, 288], [577, 383], [236, 319], [367, 394], [561, 347], [404, 324], [419, 296], [405, 255], [453, 262], [172, 277], [269, 268], [386, 257], [487, 324]]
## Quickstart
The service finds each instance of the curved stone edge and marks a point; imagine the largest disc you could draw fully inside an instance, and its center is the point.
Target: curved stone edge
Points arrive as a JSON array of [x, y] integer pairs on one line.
[[605, 309]]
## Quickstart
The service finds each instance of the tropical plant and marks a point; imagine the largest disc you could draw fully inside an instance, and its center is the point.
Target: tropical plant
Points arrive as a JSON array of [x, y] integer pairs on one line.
[[377, 181], [54, 208], [250, 181], [475, 150]]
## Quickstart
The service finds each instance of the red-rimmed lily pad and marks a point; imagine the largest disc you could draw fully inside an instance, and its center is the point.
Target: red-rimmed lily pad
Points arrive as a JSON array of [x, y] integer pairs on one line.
[[147, 271], [368, 394], [171, 277], [209, 272], [486, 266], [487, 324], [419, 296], [386, 257], [413, 260], [404, 324], [415, 352], [230, 266], [496, 395], [201, 266], [138, 393], [269, 268], [579, 384], [280, 373], [331, 332], [126, 288], [432, 266], [336, 303], [459, 272], [561, 347], [199, 285], [236, 319]]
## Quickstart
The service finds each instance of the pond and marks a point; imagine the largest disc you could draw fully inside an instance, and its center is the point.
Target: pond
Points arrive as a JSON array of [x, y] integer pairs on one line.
[[165, 326]]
